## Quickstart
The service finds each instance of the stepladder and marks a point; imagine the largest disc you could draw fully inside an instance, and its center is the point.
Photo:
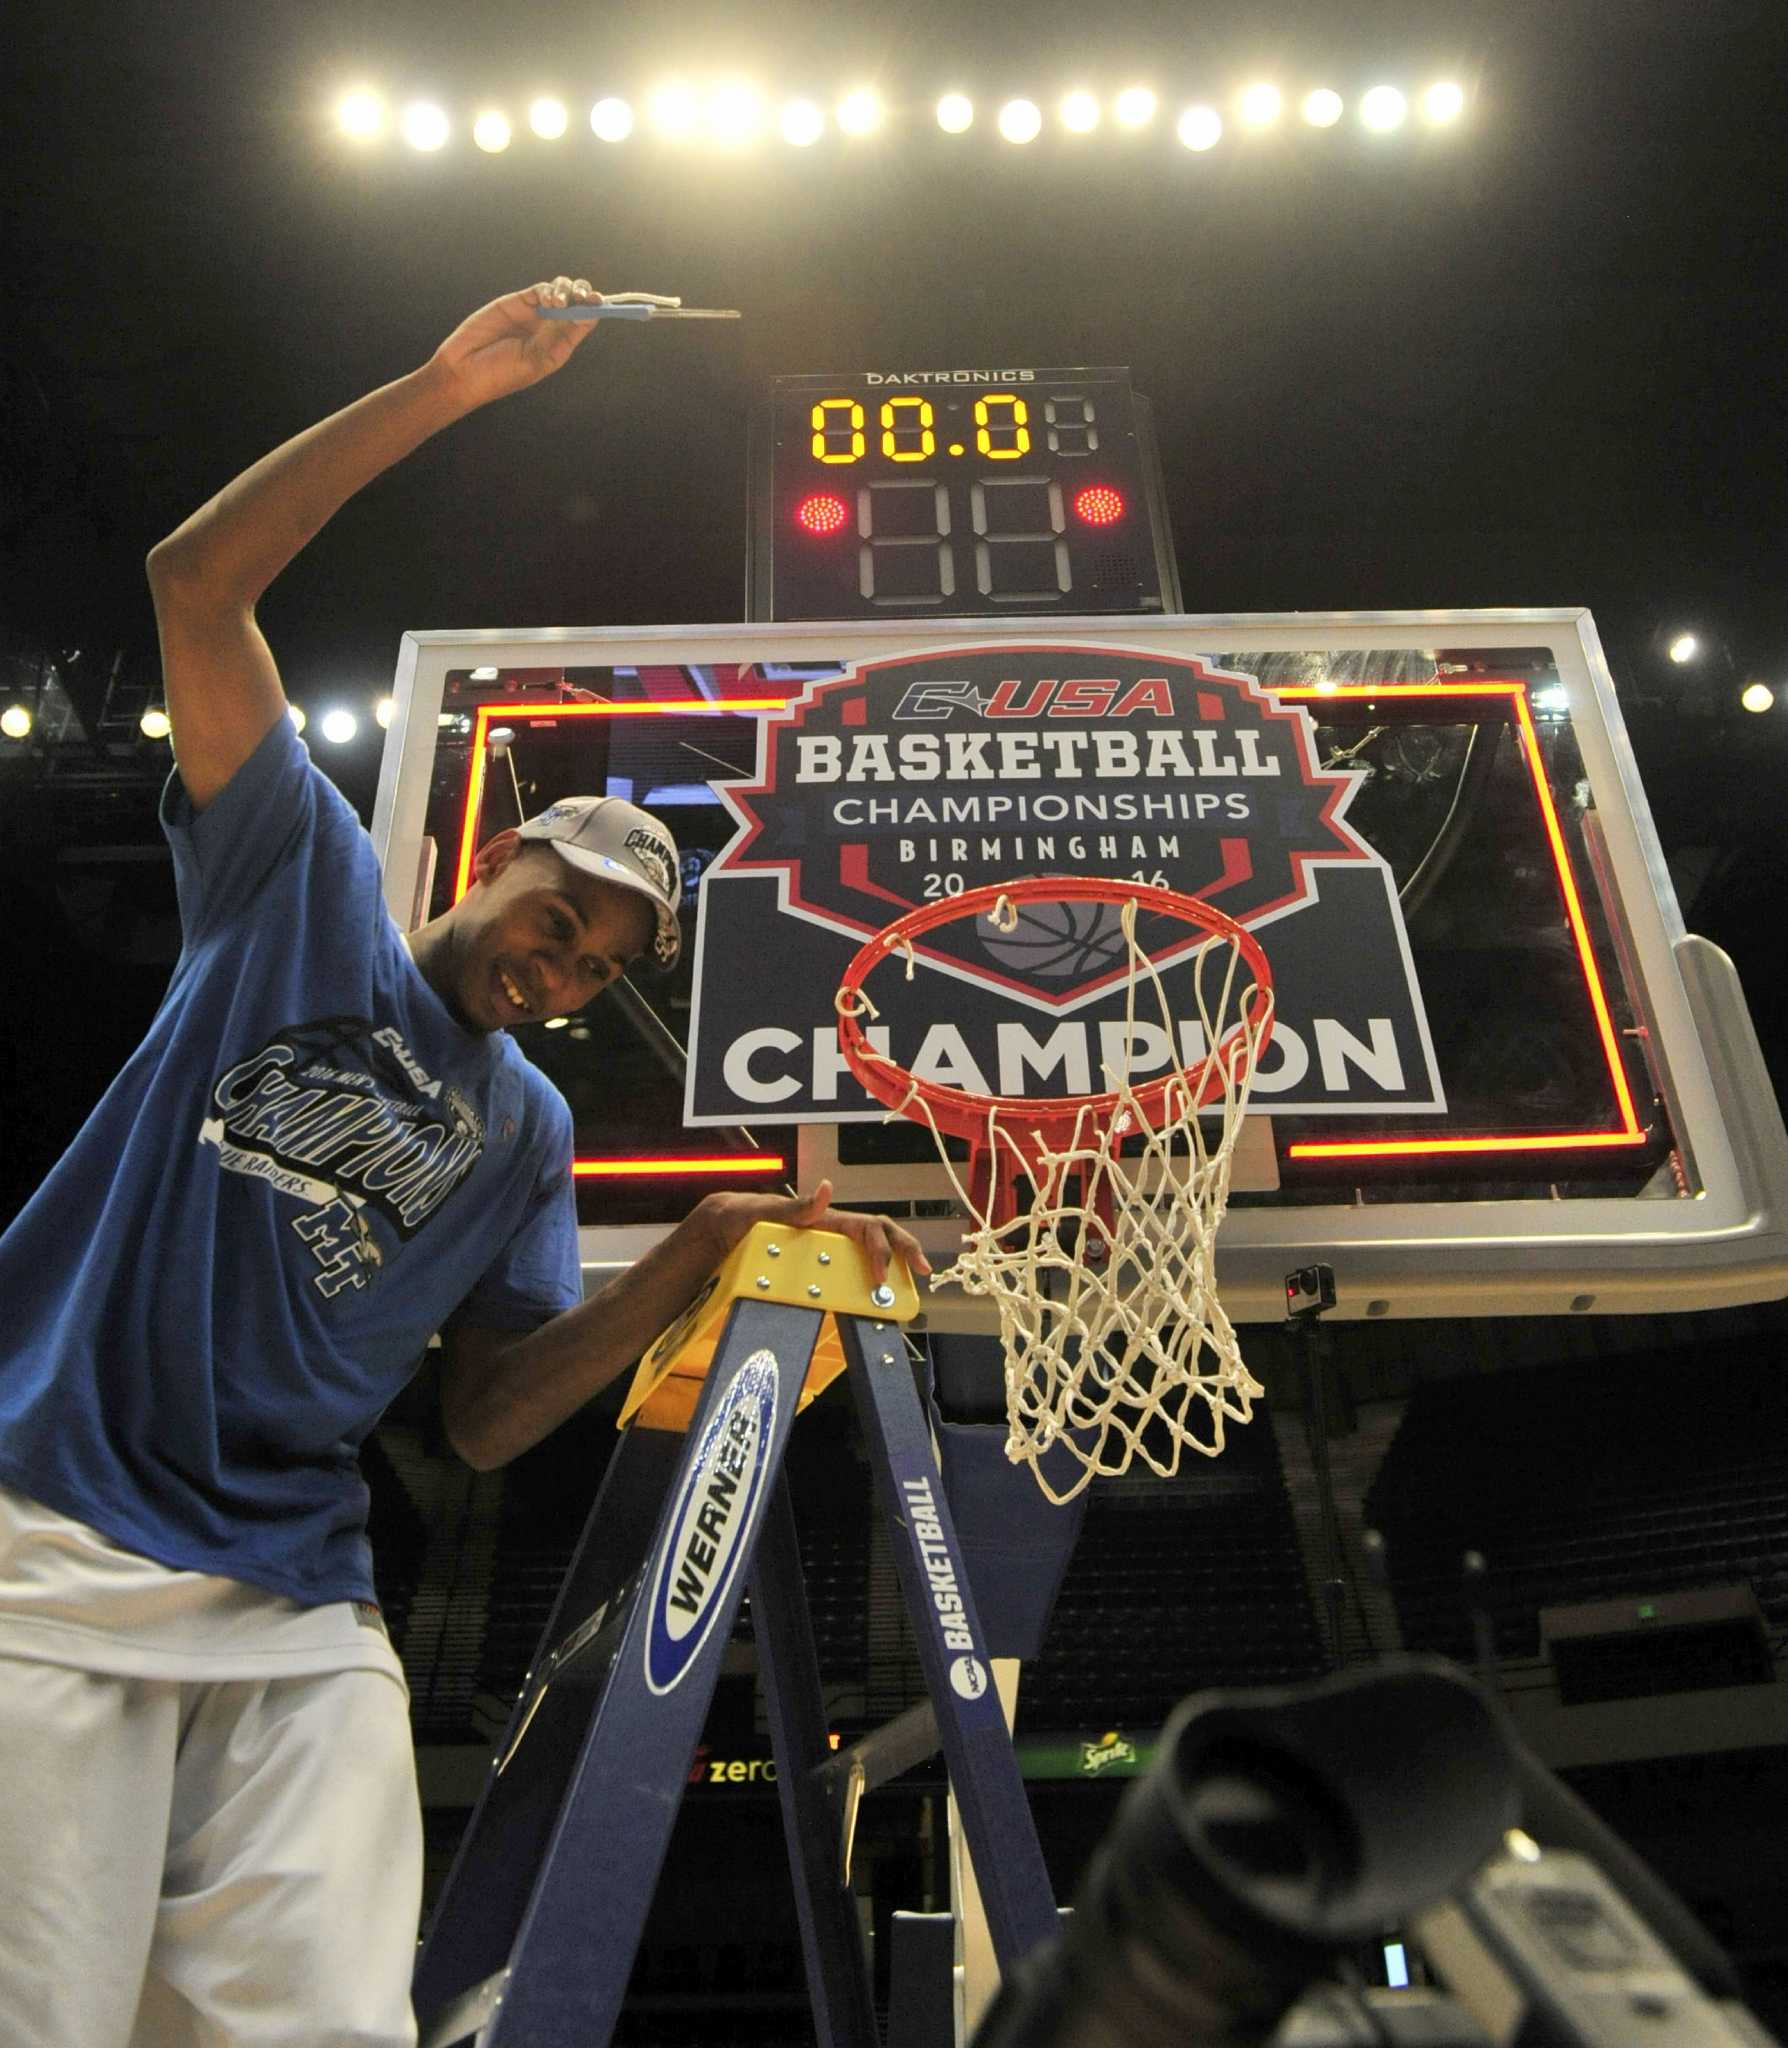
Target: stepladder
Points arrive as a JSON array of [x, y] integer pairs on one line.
[[532, 1940]]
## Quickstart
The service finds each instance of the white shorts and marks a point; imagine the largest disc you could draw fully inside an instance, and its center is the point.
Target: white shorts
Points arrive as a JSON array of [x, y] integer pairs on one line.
[[207, 1864]]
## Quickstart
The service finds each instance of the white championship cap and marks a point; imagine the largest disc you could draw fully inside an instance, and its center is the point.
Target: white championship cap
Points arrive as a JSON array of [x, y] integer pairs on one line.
[[617, 842]]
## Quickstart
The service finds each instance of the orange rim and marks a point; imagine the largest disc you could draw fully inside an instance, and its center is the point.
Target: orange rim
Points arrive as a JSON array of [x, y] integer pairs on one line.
[[961, 1114]]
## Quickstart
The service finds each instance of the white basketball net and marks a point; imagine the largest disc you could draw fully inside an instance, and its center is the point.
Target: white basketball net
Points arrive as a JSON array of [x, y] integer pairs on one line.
[[1098, 1349]]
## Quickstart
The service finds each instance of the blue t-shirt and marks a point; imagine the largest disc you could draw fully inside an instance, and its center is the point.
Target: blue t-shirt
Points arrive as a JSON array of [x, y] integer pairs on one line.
[[306, 1169]]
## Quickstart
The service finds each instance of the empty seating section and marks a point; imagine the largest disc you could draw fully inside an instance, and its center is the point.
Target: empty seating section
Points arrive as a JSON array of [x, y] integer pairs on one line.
[[1587, 1481], [1174, 1587], [835, 1564], [546, 1500]]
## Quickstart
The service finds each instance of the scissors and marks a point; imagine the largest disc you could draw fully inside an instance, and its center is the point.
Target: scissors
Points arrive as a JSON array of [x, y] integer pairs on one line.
[[638, 306]]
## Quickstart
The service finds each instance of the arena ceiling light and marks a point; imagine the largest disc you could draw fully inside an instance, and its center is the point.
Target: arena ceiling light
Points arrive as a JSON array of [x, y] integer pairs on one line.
[[339, 726], [1322, 108], [860, 112], [423, 125], [1383, 109], [1757, 696], [383, 711], [1683, 648], [802, 123], [735, 114], [611, 120], [360, 112], [295, 712], [15, 721], [1200, 128], [1021, 121], [155, 723], [674, 111]]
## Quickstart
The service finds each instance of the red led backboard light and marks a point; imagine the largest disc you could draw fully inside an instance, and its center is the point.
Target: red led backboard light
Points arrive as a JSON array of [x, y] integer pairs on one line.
[[691, 1166], [1630, 1132], [554, 714], [674, 1167]]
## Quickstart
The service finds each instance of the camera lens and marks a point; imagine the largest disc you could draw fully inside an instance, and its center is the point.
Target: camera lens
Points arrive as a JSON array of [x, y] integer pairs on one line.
[[1277, 1829]]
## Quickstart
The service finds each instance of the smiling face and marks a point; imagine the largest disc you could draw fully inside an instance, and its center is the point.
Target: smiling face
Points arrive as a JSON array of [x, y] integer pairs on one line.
[[536, 938]]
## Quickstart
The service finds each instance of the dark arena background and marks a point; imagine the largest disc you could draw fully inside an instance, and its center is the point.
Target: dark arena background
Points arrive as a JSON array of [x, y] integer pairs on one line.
[[1517, 346]]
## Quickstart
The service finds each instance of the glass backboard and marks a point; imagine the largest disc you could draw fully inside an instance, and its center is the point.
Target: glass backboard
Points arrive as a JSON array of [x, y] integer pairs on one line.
[[1503, 1079]]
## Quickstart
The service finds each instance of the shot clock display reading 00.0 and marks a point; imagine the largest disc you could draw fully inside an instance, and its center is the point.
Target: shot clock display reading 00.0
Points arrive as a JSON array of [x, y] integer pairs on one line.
[[1026, 491]]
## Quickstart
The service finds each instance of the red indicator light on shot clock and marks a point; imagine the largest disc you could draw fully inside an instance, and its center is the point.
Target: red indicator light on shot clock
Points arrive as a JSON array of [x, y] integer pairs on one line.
[[1099, 505], [822, 514]]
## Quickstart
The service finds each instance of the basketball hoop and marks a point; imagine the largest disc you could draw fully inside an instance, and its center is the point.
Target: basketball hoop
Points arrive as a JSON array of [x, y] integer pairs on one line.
[[1094, 1217]]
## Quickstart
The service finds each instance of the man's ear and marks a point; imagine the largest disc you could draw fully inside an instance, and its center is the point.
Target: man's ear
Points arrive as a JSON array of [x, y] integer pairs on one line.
[[496, 854]]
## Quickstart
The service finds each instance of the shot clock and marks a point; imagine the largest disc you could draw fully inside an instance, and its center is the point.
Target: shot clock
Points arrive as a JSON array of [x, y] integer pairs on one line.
[[956, 494]]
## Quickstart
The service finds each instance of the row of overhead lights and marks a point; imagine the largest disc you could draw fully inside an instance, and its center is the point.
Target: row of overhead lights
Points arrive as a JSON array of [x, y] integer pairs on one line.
[[733, 115], [339, 726]]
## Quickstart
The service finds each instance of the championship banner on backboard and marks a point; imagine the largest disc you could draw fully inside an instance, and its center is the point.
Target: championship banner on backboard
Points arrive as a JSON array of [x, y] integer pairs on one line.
[[901, 782]]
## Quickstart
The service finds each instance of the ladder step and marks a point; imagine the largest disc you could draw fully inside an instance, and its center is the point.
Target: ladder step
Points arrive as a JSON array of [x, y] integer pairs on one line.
[[885, 1752], [465, 2015]]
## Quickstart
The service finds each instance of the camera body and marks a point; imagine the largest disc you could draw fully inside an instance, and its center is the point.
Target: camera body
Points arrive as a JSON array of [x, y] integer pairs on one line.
[[1331, 2016], [1539, 1947], [1309, 1290], [1281, 1829]]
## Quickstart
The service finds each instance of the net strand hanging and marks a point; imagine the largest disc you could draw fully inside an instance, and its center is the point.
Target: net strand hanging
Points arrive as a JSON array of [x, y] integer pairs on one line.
[[1115, 1343]]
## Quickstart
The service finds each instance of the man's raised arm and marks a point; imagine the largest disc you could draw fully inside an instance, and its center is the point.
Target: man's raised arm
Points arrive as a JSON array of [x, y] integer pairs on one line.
[[223, 689]]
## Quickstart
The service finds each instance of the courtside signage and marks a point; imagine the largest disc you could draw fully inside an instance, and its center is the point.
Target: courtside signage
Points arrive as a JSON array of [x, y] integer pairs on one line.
[[712, 1523], [908, 781]]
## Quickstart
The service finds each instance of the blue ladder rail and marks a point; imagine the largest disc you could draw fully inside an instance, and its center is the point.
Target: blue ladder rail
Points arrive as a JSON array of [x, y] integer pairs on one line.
[[532, 1942]]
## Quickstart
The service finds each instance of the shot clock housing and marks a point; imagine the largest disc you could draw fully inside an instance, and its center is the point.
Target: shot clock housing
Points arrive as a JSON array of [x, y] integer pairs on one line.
[[957, 494]]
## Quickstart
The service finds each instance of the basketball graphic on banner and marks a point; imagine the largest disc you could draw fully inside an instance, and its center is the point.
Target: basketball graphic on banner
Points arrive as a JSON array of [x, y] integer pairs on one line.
[[1056, 940]]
